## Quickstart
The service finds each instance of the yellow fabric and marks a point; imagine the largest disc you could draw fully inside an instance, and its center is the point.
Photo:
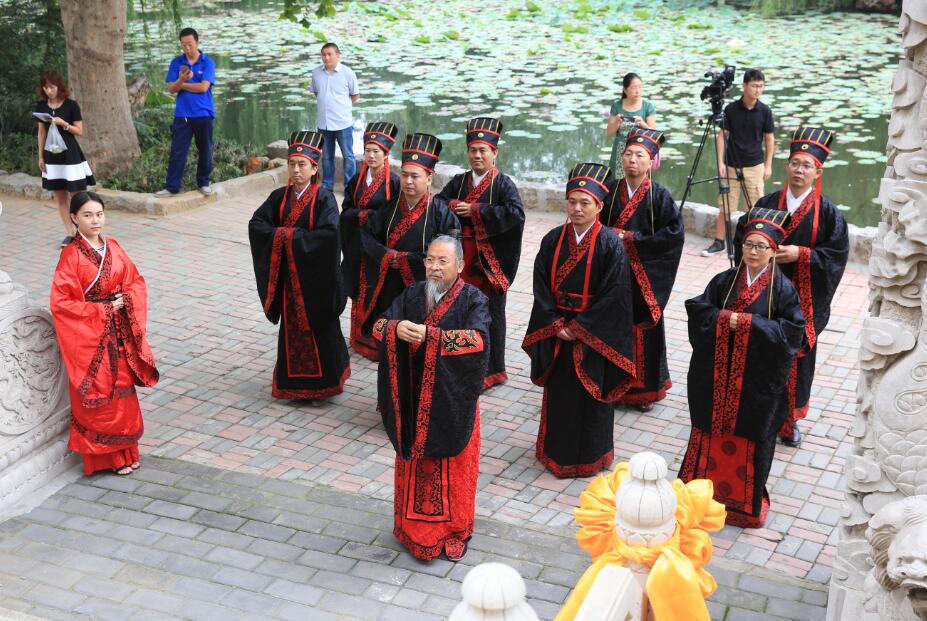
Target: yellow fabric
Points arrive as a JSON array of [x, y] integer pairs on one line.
[[678, 582]]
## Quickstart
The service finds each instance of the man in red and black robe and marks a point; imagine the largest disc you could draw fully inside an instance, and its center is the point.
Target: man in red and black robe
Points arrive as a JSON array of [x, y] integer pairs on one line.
[[647, 220], [746, 330], [580, 335], [296, 252], [813, 256], [433, 356], [394, 239], [373, 188], [493, 219]]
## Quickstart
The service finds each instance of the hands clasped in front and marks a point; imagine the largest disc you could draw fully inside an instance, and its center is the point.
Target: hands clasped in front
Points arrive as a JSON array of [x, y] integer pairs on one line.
[[411, 332]]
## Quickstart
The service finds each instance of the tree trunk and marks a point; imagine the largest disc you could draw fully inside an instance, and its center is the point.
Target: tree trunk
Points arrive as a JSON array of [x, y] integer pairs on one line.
[[94, 34]]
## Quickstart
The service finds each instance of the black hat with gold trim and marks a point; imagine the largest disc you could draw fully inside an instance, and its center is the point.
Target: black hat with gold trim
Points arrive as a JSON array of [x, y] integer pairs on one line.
[[813, 142], [486, 130], [382, 134], [650, 139], [307, 144], [591, 179], [770, 223], [422, 150]]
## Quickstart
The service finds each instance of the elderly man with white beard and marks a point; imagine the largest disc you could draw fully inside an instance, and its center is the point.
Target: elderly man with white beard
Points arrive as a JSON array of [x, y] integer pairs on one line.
[[433, 343]]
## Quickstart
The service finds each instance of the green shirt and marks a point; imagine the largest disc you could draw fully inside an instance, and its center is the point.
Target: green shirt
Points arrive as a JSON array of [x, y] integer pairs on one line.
[[647, 109]]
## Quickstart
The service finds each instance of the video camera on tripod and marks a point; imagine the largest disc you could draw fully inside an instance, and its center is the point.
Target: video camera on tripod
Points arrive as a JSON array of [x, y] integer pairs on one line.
[[721, 83]]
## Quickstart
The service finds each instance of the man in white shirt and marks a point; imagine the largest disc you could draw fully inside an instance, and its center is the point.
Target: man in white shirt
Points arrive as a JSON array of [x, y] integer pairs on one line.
[[335, 88]]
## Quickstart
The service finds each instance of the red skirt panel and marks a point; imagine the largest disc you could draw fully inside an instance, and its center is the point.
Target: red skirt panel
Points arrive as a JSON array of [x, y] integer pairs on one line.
[[435, 499], [107, 436]]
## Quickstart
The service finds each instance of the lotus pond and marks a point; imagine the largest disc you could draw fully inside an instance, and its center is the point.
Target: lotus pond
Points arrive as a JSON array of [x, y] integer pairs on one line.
[[550, 70]]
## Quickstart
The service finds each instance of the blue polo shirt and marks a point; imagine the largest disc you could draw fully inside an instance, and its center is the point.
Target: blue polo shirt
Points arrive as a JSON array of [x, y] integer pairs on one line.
[[194, 104]]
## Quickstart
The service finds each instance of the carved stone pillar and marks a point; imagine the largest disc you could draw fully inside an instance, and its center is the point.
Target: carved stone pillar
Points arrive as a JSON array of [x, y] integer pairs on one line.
[[889, 458], [34, 402]]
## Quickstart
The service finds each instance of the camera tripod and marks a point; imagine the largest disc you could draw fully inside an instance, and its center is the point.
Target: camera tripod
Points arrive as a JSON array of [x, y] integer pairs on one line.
[[713, 122]]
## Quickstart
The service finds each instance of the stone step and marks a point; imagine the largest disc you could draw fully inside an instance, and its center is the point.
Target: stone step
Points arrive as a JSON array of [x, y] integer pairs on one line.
[[178, 540]]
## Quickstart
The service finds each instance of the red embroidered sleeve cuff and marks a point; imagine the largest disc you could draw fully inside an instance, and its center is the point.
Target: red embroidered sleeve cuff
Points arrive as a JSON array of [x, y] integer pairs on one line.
[[460, 342], [379, 327]]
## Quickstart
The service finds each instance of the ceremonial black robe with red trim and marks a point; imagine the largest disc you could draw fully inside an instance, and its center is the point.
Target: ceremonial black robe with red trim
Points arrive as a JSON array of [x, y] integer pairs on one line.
[[586, 288], [737, 386], [491, 237], [654, 235], [428, 397], [296, 252], [821, 231], [360, 200], [404, 234]]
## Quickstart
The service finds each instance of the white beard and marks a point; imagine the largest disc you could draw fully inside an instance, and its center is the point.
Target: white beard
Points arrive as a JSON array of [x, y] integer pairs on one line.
[[433, 288]]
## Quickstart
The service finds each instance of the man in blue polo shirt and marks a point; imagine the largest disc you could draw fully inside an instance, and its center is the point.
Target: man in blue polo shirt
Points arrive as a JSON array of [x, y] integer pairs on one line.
[[191, 75], [335, 88]]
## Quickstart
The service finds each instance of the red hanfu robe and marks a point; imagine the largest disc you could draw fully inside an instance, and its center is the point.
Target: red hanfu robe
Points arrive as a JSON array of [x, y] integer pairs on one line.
[[360, 201], [491, 237], [653, 238], [818, 227], [428, 396], [399, 233], [105, 351], [585, 287], [296, 251], [736, 386]]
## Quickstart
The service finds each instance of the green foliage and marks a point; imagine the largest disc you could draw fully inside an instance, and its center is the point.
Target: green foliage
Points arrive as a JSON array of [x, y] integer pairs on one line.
[[575, 28], [531, 7], [34, 42], [772, 8], [423, 39], [453, 35], [20, 153], [621, 28], [695, 26], [299, 11]]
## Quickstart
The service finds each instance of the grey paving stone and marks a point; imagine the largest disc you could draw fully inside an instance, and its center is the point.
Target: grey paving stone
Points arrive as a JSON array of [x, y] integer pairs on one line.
[[381, 592], [234, 558], [126, 501], [755, 584], [294, 592], [53, 517], [330, 581], [252, 602], [374, 554], [351, 532], [326, 561], [547, 592], [151, 615], [299, 612], [738, 598], [225, 538], [180, 528], [275, 550], [315, 541], [815, 598], [439, 605], [358, 606], [245, 579], [222, 521], [61, 577], [263, 530], [138, 554], [438, 567], [204, 611], [794, 610], [395, 613], [99, 608], [205, 501], [381, 573], [53, 597], [188, 566], [209, 591], [44, 552], [156, 600], [107, 588], [171, 509], [300, 521], [148, 577], [182, 545], [286, 570]]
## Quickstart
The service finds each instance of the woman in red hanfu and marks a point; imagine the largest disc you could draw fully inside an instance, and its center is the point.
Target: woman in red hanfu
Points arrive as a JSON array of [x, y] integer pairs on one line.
[[746, 330], [100, 305]]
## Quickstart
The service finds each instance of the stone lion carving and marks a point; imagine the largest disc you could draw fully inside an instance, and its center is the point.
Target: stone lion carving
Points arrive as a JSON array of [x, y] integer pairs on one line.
[[896, 587]]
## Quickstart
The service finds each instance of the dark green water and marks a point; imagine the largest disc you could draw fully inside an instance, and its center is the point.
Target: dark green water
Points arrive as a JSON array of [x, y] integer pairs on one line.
[[550, 75]]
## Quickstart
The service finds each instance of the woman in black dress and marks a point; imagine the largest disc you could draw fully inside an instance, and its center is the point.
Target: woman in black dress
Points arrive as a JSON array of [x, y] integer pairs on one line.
[[66, 172]]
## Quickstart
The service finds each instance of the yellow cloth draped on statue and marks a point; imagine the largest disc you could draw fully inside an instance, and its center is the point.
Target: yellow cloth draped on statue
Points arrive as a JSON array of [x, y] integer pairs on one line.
[[678, 582]]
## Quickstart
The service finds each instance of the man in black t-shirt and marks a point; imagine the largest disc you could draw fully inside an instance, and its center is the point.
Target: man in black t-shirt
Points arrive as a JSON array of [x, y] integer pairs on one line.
[[748, 127]]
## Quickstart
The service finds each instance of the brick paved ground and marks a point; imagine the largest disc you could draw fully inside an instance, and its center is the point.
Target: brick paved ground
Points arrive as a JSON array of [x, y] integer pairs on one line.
[[216, 354], [179, 540]]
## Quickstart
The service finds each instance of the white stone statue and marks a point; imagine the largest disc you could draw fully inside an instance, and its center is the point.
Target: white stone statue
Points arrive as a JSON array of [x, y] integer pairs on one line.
[[493, 592], [896, 587], [889, 458]]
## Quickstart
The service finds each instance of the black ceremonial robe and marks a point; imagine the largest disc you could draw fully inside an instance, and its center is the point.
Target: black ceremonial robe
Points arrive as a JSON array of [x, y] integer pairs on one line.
[[821, 231], [399, 233], [428, 396], [737, 386], [585, 287], [654, 235], [491, 237], [296, 250], [360, 200]]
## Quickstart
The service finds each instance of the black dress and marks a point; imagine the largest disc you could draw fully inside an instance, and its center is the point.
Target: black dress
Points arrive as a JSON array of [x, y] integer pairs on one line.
[[67, 170]]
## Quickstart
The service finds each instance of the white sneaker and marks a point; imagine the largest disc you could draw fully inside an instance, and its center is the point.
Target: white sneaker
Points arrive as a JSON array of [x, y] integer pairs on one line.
[[164, 193], [206, 190]]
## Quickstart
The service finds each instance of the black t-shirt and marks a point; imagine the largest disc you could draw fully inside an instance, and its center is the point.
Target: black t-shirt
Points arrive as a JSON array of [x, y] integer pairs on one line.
[[746, 127], [68, 110]]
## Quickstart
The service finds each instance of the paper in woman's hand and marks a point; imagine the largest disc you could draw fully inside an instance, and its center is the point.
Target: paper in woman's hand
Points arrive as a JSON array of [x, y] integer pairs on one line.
[[43, 116]]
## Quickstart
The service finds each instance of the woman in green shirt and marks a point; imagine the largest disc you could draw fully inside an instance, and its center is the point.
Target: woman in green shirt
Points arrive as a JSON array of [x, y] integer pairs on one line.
[[631, 111]]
